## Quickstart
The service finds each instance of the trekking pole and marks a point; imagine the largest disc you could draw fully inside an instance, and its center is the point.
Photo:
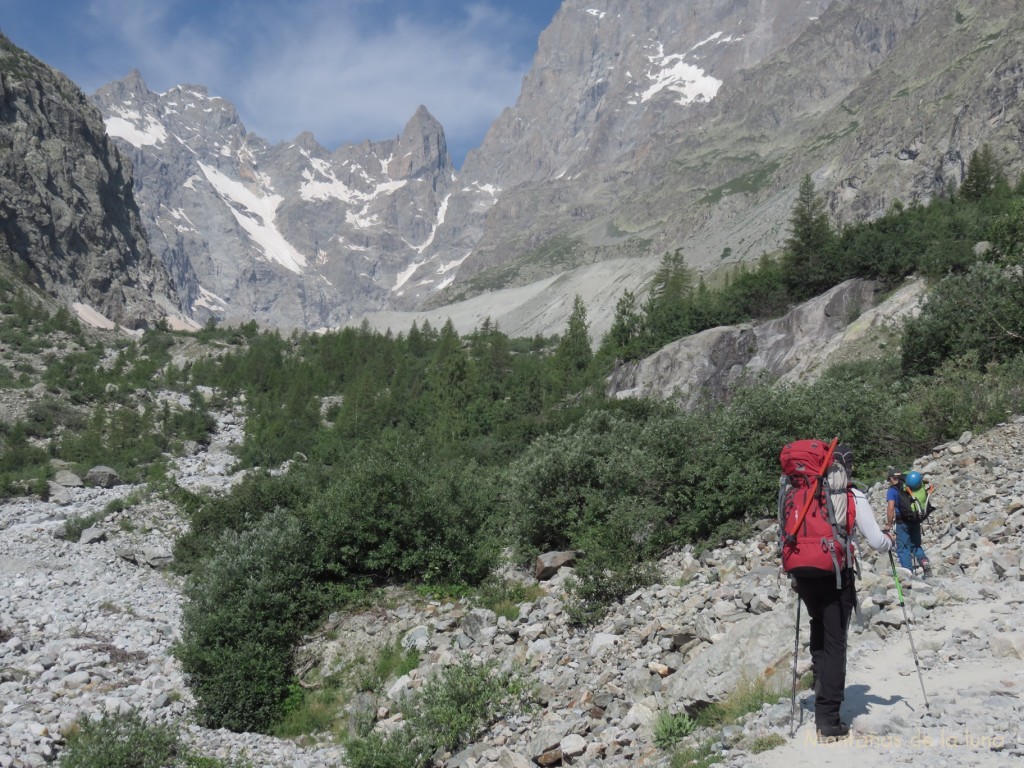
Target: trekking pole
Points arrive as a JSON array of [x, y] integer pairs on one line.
[[796, 650], [906, 620]]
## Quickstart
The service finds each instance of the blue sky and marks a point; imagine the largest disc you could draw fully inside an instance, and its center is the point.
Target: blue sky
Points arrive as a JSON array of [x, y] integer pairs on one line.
[[347, 70]]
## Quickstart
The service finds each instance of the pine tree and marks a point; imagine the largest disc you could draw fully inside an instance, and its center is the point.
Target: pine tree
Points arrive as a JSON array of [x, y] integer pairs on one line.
[[810, 240], [984, 176], [668, 310], [573, 354], [623, 338]]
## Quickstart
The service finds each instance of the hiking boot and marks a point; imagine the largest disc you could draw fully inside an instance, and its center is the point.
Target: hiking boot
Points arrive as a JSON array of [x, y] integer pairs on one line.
[[834, 732], [926, 568]]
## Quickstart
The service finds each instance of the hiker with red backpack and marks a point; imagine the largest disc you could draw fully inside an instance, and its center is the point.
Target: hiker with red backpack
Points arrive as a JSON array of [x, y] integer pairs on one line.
[[818, 511], [907, 506]]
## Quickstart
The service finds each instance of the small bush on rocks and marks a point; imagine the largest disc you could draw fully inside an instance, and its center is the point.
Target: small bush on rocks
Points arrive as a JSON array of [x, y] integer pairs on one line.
[[126, 741], [75, 524], [672, 727], [392, 661], [444, 715]]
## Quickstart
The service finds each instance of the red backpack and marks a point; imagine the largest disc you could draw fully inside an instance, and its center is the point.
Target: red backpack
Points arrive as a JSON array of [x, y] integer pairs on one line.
[[817, 511]]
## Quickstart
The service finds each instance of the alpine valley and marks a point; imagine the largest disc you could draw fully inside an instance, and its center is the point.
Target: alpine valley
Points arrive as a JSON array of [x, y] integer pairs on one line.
[[642, 128]]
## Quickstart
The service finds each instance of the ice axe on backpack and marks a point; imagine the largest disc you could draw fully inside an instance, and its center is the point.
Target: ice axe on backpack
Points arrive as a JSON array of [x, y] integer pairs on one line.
[[906, 620]]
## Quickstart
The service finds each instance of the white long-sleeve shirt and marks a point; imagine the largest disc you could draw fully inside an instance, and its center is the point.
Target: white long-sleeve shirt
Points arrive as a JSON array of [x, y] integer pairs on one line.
[[867, 525]]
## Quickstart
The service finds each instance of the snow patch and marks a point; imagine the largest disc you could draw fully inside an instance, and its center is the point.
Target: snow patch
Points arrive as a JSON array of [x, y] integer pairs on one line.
[[137, 130], [321, 184], [449, 266], [255, 214], [209, 300], [405, 274], [673, 73], [441, 211]]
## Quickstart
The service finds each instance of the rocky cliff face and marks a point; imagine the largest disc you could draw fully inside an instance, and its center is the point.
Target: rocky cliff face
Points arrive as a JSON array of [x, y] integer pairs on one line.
[[291, 235], [642, 127], [68, 219], [843, 324]]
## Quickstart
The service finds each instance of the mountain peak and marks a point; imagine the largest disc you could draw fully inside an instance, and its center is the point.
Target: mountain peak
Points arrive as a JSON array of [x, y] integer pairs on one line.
[[422, 147]]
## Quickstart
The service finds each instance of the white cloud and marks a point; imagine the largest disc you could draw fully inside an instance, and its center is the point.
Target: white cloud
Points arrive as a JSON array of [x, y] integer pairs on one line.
[[347, 71]]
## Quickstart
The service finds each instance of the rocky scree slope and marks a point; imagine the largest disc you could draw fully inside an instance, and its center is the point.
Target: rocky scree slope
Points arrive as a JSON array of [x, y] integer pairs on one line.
[[68, 218], [87, 628]]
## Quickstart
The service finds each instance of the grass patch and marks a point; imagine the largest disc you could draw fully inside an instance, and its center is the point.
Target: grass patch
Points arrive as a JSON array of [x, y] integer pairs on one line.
[[393, 661], [309, 711], [747, 697], [699, 756], [832, 138], [765, 743], [504, 596], [749, 183]]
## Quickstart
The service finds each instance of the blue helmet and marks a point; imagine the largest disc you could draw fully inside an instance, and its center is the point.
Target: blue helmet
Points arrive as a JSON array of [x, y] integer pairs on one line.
[[914, 480]]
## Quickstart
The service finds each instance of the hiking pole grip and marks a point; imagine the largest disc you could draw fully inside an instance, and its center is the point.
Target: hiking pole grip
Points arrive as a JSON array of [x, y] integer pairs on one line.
[[906, 620]]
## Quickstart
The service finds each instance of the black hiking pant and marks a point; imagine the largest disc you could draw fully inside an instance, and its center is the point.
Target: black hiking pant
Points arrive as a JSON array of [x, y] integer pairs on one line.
[[830, 608]]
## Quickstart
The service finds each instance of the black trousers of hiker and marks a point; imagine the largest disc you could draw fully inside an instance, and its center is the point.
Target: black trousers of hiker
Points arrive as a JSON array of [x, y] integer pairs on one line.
[[830, 608]]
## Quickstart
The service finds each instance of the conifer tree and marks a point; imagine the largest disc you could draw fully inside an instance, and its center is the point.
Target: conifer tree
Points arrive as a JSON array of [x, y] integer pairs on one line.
[[810, 240], [984, 176], [573, 354]]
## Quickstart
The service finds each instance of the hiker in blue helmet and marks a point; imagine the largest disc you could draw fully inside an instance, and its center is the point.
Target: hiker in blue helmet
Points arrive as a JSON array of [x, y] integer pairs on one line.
[[906, 498]]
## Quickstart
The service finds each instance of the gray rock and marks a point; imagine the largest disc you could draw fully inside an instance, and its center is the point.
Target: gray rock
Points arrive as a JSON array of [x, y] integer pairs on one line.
[[92, 535], [57, 493], [549, 563], [102, 477], [68, 479]]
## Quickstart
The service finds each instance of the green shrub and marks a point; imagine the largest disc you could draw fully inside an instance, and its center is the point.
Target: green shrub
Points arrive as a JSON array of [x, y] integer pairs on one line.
[[981, 312], [76, 524], [126, 741], [447, 713], [619, 558], [397, 513], [672, 727], [246, 608], [120, 741], [258, 495], [375, 750], [453, 707], [392, 661]]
